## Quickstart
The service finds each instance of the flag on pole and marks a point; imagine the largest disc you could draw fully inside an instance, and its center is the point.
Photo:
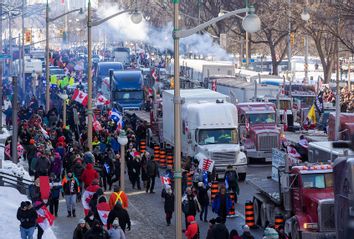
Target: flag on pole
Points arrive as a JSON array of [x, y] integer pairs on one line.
[[103, 210], [86, 197], [44, 218], [117, 117], [96, 125], [206, 165], [80, 96], [101, 100], [312, 114]]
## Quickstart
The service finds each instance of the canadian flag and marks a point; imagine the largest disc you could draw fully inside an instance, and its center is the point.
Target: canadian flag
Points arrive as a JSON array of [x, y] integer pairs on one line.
[[86, 197], [101, 100], [44, 218], [154, 75], [165, 180], [103, 210], [80, 96], [97, 125]]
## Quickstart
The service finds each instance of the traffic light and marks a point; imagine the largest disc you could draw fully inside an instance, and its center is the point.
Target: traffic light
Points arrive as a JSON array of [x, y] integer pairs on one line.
[[28, 36], [292, 38]]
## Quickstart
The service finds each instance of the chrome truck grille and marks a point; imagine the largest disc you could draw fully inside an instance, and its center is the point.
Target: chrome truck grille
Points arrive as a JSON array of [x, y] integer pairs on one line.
[[224, 157], [326, 219], [266, 142]]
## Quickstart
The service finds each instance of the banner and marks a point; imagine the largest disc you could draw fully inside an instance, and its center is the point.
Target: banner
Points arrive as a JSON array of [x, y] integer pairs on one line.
[[206, 165]]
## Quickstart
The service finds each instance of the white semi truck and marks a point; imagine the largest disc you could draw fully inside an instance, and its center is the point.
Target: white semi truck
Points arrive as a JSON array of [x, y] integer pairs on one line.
[[209, 126]]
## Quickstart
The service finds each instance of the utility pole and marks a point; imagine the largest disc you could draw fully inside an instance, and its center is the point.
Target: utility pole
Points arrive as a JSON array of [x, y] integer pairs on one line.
[[177, 124], [47, 88], [10, 44], [1, 67], [89, 77], [337, 121], [14, 120], [23, 80], [289, 36]]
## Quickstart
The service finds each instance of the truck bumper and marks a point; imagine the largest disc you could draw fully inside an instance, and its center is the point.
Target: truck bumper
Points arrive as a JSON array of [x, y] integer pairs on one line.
[[318, 235], [259, 154]]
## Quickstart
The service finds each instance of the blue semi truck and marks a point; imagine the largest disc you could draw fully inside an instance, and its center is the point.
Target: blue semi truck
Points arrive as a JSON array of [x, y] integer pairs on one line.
[[127, 89]]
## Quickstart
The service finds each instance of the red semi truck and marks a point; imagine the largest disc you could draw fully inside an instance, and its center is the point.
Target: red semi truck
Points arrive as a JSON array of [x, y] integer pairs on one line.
[[302, 194], [258, 129]]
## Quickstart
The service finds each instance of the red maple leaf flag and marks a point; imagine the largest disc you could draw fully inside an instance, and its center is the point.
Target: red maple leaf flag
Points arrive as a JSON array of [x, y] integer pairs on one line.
[[165, 180], [80, 96], [103, 210]]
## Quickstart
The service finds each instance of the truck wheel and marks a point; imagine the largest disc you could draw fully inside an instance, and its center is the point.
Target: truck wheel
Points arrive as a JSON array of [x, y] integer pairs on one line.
[[242, 177], [256, 208]]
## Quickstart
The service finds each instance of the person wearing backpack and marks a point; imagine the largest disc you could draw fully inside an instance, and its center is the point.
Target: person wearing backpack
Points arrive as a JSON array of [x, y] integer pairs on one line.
[[55, 187], [152, 173], [118, 196], [231, 179]]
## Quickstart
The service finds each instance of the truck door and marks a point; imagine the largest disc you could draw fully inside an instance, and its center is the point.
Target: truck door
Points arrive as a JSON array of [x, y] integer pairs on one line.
[[296, 193]]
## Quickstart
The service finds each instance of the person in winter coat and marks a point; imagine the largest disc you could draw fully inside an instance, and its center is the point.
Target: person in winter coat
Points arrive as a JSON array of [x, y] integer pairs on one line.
[[144, 159], [96, 232], [122, 215], [116, 169], [42, 166], [281, 232], [90, 219], [56, 165], [118, 196], [152, 173], [71, 188], [219, 230], [94, 201], [107, 171], [169, 204], [222, 203], [203, 200], [192, 231], [116, 232], [232, 180], [34, 191], [190, 204], [246, 233], [135, 167], [80, 230], [55, 187], [78, 167], [89, 175], [27, 216]]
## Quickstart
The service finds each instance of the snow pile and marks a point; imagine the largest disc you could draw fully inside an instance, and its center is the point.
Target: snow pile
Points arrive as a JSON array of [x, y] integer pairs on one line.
[[5, 133], [14, 169], [10, 200]]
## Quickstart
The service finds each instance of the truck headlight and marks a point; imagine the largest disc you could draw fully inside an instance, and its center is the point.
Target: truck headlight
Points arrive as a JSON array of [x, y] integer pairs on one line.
[[310, 226], [242, 160]]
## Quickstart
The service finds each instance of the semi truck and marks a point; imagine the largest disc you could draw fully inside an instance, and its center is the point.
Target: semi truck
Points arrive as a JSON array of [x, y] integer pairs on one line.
[[325, 152], [122, 55], [102, 71], [301, 194], [126, 89], [258, 131], [343, 196], [209, 128]]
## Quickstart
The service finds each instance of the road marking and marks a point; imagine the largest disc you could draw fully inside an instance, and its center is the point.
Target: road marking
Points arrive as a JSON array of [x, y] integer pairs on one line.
[[136, 193]]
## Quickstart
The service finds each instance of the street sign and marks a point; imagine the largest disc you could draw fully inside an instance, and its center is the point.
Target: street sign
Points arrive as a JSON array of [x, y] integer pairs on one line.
[[250, 61], [5, 56]]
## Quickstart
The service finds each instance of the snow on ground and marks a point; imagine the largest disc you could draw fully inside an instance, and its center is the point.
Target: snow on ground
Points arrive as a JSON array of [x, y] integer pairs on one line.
[[10, 200], [5, 133], [14, 169]]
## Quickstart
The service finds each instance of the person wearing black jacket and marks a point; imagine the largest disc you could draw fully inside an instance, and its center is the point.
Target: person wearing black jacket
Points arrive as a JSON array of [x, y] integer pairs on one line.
[[152, 173], [107, 171], [80, 229], [203, 200], [219, 230], [96, 232], [94, 201], [27, 216], [169, 204], [122, 215]]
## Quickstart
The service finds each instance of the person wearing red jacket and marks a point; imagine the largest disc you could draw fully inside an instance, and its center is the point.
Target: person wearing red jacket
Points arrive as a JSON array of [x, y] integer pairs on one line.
[[192, 231], [88, 175]]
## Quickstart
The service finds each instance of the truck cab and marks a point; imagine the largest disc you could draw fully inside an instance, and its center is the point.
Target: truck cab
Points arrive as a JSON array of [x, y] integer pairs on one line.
[[312, 200], [258, 130], [127, 89]]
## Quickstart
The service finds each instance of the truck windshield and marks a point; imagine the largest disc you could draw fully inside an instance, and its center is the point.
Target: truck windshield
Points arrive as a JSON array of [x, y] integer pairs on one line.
[[319, 181], [217, 136], [128, 95], [261, 118], [305, 100]]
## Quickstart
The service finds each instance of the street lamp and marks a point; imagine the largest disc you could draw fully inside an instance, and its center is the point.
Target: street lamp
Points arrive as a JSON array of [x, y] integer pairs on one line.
[[47, 21], [135, 18], [123, 141], [306, 17], [250, 23]]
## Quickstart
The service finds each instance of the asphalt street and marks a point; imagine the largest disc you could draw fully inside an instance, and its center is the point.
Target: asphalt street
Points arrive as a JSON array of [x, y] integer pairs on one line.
[[148, 217]]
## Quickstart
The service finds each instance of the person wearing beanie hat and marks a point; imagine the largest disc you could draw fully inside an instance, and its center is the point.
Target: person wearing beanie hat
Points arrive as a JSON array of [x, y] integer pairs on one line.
[[192, 229], [219, 230], [71, 188], [27, 216], [80, 230], [270, 233], [96, 232], [116, 232]]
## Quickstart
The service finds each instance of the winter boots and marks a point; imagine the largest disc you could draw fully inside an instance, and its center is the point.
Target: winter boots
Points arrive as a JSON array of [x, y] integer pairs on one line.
[[69, 214], [74, 215]]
